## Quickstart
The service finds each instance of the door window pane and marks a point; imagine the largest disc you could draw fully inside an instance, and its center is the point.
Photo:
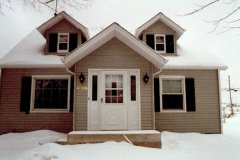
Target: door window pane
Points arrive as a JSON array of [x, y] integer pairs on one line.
[[133, 88], [114, 89], [94, 87]]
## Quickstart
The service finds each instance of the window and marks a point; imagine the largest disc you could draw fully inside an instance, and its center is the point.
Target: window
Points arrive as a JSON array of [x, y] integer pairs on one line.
[[114, 89], [172, 93], [160, 43], [62, 42], [63, 39], [50, 93]]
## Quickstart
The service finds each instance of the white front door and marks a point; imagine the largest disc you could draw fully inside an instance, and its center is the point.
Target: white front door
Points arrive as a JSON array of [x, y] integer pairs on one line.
[[113, 100], [114, 113]]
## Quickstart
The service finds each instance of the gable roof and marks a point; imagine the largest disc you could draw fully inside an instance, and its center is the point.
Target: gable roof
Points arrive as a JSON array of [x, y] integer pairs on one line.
[[58, 18], [114, 30], [160, 16]]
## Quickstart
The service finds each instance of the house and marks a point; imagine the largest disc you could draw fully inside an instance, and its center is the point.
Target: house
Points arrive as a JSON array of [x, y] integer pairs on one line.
[[59, 78]]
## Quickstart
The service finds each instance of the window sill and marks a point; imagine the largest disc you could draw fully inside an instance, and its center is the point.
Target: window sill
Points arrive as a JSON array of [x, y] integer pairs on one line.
[[173, 111], [50, 111]]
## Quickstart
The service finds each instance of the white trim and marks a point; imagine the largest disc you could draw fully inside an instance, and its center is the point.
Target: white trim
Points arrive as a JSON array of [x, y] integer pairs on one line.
[[34, 77], [173, 77], [220, 101]]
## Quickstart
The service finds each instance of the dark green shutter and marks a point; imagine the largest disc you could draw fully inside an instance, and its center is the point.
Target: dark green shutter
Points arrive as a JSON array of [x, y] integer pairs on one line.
[[73, 42], [169, 44], [26, 94], [150, 41], [71, 94], [156, 95], [190, 94], [53, 41]]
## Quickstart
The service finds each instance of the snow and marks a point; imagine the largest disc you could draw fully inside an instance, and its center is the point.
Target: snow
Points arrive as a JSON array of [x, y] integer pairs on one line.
[[191, 55], [30, 53], [38, 145]]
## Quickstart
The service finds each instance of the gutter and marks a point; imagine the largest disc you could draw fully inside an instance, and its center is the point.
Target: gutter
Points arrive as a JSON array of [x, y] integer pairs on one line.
[[153, 108], [74, 93]]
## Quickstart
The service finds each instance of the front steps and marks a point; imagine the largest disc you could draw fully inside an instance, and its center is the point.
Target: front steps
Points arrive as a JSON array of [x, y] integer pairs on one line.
[[145, 138]]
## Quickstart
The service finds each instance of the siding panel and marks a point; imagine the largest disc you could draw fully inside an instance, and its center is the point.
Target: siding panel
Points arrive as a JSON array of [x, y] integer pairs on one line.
[[206, 118], [12, 120]]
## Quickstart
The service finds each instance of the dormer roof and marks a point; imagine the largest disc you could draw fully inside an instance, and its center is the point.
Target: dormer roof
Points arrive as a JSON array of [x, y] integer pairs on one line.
[[160, 16], [59, 17], [114, 30]]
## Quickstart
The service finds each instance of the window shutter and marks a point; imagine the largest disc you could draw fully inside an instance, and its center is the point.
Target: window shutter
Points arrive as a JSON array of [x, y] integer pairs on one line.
[[26, 94], [190, 94], [156, 95], [73, 42], [53, 41], [71, 94], [150, 40], [169, 44]]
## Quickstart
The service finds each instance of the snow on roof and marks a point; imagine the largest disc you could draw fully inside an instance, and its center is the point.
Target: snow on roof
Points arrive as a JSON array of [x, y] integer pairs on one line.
[[191, 55], [30, 53]]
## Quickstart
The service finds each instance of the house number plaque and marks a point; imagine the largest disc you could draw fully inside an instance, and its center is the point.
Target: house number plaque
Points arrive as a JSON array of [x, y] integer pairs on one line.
[[82, 88]]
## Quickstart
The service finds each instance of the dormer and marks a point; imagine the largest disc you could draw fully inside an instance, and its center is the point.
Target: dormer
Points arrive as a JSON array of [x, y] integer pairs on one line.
[[63, 34], [161, 34]]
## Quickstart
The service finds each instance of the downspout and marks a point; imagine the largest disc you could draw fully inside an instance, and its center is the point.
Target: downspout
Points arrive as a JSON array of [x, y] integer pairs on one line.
[[153, 108], [73, 94], [220, 101]]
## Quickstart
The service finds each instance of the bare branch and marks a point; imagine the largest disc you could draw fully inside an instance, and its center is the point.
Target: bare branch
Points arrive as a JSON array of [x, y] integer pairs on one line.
[[200, 8], [8, 5], [229, 28], [217, 22]]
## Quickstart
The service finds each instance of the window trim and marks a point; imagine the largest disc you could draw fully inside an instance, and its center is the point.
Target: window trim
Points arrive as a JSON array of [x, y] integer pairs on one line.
[[155, 43], [172, 77], [63, 51], [34, 78]]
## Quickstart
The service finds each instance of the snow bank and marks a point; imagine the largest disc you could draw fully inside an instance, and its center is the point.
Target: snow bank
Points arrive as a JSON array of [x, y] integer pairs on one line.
[[38, 146]]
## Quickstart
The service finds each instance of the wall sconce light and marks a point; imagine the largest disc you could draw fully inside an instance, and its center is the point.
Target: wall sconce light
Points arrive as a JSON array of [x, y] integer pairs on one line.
[[145, 78], [81, 78]]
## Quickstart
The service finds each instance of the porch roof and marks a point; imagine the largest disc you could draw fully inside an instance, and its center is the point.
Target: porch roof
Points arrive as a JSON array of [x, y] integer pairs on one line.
[[114, 30]]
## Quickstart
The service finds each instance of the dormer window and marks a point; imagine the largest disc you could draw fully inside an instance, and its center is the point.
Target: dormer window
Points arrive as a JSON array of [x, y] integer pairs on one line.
[[63, 39], [160, 43], [62, 43]]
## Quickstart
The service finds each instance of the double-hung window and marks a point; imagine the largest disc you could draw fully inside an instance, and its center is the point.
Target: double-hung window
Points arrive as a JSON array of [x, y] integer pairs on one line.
[[172, 93], [50, 93], [63, 42], [160, 43]]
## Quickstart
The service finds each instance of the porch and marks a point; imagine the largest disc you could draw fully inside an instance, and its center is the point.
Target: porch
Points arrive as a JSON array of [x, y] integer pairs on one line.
[[145, 138]]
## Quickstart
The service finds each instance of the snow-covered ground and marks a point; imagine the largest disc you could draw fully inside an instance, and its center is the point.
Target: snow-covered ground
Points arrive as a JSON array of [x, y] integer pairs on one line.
[[38, 145]]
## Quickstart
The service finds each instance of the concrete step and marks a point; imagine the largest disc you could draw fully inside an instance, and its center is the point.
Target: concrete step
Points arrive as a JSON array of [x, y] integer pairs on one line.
[[145, 138]]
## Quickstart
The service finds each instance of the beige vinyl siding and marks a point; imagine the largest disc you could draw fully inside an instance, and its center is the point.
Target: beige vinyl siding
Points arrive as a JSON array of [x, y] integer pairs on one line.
[[114, 55], [12, 120], [206, 118], [160, 28]]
